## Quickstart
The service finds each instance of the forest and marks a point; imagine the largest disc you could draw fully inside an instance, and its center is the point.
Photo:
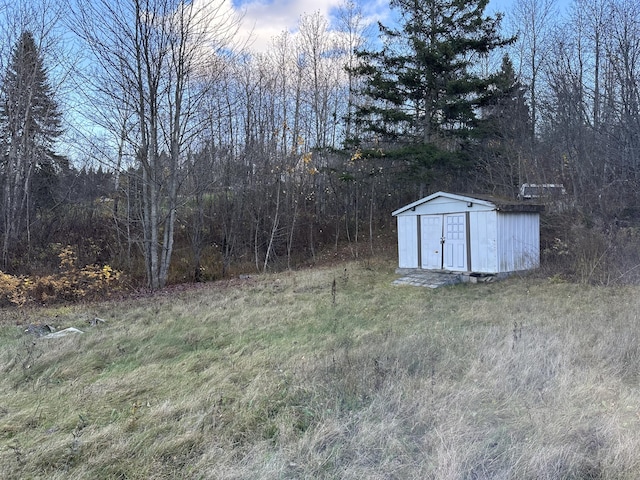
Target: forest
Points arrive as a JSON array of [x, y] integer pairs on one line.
[[141, 139]]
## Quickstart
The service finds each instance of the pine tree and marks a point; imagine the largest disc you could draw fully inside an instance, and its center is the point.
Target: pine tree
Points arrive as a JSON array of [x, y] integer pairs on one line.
[[30, 123], [424, 87], [505, 114], [504, 134]]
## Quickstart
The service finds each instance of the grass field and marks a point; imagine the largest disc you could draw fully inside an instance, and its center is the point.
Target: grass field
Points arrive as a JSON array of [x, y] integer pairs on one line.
[[328, 373]]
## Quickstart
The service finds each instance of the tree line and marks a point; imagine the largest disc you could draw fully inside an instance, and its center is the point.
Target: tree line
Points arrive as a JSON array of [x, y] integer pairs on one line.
[[144, 135]]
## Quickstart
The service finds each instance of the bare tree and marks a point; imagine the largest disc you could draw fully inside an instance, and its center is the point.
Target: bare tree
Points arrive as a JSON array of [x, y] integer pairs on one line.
[[591, 20], [623, 53], [155, 55], [352, 30], [592, 115], [533, 22]]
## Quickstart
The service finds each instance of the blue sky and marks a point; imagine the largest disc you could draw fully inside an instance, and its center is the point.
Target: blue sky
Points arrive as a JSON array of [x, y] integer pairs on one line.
[[267, 19]]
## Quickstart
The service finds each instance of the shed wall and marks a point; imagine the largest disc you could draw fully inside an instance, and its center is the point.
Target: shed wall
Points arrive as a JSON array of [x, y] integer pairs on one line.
[[483, 236], [518, 241], [408, 241]]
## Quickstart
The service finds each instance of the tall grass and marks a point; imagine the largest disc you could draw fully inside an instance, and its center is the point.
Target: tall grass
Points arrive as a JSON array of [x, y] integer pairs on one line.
[[329, 373]]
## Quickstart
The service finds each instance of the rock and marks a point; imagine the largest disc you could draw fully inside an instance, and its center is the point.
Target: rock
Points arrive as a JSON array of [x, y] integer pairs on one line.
[[39, 330], [63, 333]]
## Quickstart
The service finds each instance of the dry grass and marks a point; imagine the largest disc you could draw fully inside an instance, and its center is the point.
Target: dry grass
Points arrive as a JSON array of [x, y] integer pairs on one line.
[[329, 373]]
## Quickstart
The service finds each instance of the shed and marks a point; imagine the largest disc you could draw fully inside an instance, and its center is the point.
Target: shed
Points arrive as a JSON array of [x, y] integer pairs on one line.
[[468, 233]]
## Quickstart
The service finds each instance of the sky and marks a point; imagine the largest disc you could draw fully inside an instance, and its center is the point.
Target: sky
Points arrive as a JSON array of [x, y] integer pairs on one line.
[[266, 19]]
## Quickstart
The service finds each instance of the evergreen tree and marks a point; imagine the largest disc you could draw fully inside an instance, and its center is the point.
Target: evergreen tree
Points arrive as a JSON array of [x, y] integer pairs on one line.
[[30, 123], [424, 87], [505, 114], [504, 134]]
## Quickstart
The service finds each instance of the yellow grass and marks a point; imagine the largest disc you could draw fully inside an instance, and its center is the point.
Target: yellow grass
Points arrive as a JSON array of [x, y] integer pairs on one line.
[[329, 373]]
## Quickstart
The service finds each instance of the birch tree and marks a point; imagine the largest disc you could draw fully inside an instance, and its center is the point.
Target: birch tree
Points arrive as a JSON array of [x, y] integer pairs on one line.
[[352, 30], [533, 21], [155, 54]]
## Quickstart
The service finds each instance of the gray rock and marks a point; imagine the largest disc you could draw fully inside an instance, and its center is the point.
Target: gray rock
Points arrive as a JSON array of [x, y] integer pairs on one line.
[[64, 333]]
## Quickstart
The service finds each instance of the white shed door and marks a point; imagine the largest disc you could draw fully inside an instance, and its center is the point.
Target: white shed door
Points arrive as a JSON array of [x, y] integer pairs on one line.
[[443, 242], [455, 242], [431, 241]]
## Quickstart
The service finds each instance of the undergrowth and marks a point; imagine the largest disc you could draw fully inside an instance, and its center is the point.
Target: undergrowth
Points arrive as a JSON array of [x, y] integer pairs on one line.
[[70, 283], [329, 373]]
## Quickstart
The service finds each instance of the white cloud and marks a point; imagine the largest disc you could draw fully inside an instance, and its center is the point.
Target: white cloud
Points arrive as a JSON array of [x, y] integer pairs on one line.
[[264, 20]]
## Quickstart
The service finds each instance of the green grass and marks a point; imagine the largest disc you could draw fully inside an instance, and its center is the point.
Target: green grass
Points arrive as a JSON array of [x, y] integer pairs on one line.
[[285, 376]]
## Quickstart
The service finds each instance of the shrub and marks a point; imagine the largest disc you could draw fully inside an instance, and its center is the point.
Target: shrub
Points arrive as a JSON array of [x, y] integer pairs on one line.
[[10, 290], [70, 284], [593, 254]]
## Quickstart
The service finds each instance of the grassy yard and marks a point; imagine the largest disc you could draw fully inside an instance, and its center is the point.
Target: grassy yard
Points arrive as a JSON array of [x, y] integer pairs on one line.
[[329, 373]]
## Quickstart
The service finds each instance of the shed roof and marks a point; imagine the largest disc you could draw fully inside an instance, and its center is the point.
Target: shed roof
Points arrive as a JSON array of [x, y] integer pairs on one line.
[[499, 204]]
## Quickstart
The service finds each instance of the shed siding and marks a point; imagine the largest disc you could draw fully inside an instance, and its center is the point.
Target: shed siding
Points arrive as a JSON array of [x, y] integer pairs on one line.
[[519, 242], [408, 242], [483, 234]]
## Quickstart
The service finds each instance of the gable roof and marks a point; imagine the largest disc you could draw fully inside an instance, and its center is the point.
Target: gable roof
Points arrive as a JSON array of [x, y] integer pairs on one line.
[[486, 200]]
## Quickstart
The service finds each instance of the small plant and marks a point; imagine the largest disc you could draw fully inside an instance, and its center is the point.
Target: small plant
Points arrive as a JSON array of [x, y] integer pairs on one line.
[[12, 289], [517, 333], [333, 292]]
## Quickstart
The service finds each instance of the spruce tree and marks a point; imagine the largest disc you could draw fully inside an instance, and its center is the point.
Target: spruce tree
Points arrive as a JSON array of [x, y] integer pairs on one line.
[[504, 134], [30, 123], [424, 86], [505, 114]]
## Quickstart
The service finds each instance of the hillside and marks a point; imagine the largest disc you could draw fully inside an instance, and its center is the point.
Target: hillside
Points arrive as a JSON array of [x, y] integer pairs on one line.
[[328, 373]]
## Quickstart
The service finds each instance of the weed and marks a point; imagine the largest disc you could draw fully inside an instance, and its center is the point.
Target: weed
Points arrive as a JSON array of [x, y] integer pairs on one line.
[[333, 292], [517, 333]]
